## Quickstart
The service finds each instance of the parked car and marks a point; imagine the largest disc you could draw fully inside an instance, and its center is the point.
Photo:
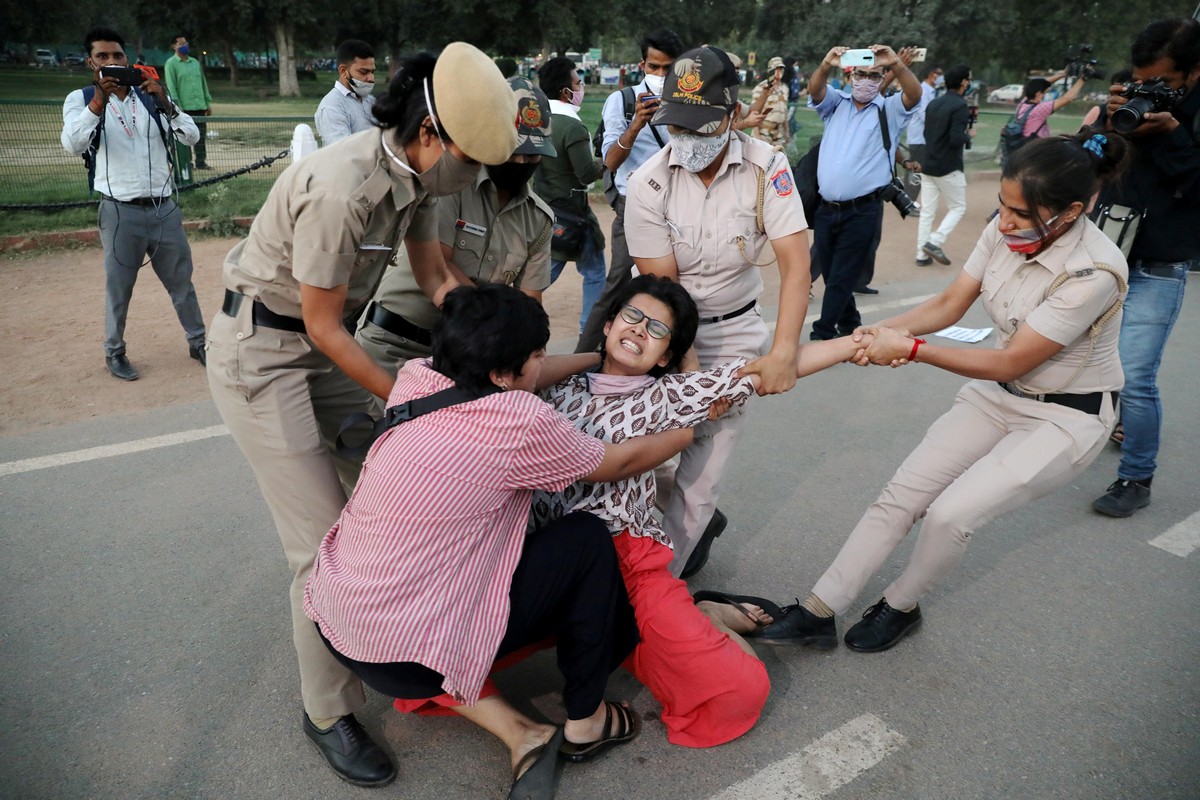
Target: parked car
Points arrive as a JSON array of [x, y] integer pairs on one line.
[[75, 60], [45, 58], [1006, 94]]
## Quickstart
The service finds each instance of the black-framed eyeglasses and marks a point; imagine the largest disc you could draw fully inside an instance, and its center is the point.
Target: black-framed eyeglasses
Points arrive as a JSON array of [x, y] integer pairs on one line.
[[656, 328], [870, 76]]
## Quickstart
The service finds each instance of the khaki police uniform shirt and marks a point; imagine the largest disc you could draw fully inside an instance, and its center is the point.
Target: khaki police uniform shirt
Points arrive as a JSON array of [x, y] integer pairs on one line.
[[669, 211], [510, 245], [1014, 294], [333, 219]]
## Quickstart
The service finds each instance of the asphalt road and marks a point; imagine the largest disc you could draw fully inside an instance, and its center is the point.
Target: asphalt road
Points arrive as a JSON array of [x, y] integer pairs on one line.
[[146, 645]]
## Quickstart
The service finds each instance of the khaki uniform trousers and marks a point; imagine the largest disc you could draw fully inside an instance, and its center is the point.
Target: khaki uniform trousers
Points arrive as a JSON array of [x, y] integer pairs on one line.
[[283, 401], [991, 453], [702, 466]]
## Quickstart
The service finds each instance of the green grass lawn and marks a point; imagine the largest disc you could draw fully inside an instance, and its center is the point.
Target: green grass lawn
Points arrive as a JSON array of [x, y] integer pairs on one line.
[[249, 122]]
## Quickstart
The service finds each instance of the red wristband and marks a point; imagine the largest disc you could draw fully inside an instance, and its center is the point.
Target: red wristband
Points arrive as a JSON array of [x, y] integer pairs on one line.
[[916, 343]]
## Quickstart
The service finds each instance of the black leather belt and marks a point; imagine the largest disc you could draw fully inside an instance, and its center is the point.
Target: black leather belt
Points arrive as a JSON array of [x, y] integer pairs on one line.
[[730, 315], [866, 199], [1087, 403], [398, 325], [261, 314], [139, 201], [1159, 269]]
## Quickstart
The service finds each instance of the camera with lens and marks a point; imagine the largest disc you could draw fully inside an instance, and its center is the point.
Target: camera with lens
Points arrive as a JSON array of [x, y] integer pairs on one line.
[[1080, 63], [894, 193], [1144, 98]]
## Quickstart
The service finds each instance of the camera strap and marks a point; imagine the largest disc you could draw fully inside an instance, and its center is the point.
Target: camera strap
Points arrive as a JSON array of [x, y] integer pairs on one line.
[[887, 140]]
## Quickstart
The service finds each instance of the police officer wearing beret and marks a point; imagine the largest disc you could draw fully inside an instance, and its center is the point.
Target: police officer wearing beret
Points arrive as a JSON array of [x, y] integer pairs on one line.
[[496, 230], [283, 365]]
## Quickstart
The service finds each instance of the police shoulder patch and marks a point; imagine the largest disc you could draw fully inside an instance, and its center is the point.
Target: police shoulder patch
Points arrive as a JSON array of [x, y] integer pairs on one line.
[[782, 182]]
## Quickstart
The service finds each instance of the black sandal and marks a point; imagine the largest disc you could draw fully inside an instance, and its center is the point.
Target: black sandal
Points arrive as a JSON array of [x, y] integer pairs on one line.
[[534, 775], [628, 726], [736, 600]]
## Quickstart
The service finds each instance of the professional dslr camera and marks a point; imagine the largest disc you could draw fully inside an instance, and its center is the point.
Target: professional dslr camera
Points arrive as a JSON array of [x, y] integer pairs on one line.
[[894, 193], [1144, 98], [1080, 63]]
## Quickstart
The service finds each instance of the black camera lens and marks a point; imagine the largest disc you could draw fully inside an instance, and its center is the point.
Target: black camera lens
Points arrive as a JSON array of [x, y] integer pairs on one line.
[[1129, 116]]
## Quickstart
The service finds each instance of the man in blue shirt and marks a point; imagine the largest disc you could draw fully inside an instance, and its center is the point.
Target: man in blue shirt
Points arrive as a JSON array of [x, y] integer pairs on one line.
[[346, 109], [852, 168], [627, 145]]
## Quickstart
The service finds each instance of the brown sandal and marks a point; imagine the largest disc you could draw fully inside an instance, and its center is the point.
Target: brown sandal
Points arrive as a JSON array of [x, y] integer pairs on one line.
[[628, 726]]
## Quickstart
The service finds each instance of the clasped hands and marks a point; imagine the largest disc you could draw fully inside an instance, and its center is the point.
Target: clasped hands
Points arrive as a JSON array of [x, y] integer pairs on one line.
[[881, 346]]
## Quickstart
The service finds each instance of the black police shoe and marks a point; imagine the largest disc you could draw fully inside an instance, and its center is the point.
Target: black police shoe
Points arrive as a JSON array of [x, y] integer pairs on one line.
[[120, 367], [798, 625], [1122, 498], [351, 752], [198, 352], [865, 290], [699, 556], [882, 627]]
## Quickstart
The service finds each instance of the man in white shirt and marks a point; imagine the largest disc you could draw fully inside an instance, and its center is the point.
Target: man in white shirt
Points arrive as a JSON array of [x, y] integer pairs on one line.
[[346, 109], [124, 130]]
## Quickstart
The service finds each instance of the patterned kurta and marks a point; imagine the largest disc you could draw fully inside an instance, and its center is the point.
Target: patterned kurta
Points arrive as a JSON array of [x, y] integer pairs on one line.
[[647, 406]]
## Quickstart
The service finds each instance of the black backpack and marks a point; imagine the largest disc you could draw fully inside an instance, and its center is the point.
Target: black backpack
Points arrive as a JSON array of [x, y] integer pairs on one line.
[[1012, 136]]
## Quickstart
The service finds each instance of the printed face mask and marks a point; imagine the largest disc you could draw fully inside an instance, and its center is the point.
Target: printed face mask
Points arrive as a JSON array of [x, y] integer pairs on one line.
[[361, 88], [695, 152], [1029, 241], [655, 84], [864, 90]]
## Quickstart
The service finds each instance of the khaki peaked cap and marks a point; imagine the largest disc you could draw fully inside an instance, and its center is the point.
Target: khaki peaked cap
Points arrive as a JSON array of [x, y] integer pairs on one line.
[[475, 105]]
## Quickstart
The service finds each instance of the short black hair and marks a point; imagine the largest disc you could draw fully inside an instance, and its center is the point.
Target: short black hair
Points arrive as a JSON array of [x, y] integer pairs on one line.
[[1177, 39], [555, 75], [177, 37], [1034, 86], [351, 50], [956, 76], [486, 328], [663, 39], [684, 315], [101, 35], [1057, 171]]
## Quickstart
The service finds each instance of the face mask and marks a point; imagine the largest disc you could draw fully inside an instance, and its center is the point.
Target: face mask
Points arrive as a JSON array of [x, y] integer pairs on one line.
[[864, 90], [1029, 241], [939, 82], [448, 175], [577, 97], [511, 177], [361, 88], [655, 84], [184, 50], [694, 152]]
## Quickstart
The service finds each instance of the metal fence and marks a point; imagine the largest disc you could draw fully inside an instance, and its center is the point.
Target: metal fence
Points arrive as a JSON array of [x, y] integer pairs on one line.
[[245, 155]]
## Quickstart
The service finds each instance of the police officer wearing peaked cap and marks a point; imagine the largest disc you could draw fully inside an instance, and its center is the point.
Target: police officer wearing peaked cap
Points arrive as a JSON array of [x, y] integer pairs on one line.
[[495, 230], [692, 216]]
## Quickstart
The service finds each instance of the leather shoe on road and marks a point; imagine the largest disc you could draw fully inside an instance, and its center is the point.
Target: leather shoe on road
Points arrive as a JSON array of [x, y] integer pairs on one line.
[[866, 290], [351, 752], [699, 556], [120, 367], [882, 627], [1122, 499], [798, 625], [197, 351]]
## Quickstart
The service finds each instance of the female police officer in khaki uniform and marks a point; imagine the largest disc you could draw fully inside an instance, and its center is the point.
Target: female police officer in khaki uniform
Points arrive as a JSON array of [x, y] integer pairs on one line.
[[495, 230], [1036, 415], [283, 368]]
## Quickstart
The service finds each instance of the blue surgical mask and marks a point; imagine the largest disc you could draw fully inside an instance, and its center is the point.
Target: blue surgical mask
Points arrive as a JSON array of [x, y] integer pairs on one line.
[[184, 50]]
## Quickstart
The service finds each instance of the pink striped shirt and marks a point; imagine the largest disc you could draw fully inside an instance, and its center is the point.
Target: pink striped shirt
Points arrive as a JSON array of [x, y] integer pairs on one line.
[[419, 564]]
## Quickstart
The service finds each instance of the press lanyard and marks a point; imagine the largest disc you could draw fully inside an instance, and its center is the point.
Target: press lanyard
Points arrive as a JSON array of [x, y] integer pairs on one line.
[[132, 114]]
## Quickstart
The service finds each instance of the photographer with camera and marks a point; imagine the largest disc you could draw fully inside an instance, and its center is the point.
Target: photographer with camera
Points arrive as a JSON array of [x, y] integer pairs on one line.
[[854, 172], [120, 125], [1157, 113], [1034, 110]]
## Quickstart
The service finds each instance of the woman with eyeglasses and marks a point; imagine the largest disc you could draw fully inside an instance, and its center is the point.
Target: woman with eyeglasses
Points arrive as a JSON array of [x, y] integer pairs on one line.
[[1037, 411], [693, 656], [283, 366]]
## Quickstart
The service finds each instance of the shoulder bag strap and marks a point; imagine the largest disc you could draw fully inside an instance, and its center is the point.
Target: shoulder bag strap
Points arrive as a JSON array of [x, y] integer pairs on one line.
[[394, 415]]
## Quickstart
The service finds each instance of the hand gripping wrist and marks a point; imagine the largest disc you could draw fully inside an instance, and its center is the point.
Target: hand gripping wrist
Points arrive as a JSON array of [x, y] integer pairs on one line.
[[916, 344]]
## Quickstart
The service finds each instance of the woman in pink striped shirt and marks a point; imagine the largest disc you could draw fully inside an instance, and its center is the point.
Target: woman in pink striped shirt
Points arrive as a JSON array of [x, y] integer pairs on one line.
[[428, 576]]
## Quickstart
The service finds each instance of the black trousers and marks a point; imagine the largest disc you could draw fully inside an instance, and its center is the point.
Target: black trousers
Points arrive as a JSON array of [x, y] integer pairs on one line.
[[567, 585], [843, 239], [619, 265]]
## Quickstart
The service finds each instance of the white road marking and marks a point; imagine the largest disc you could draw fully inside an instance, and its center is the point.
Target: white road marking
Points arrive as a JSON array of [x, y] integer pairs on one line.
[[168, 440], [110, 450], [835, 759], [1182, 538]]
